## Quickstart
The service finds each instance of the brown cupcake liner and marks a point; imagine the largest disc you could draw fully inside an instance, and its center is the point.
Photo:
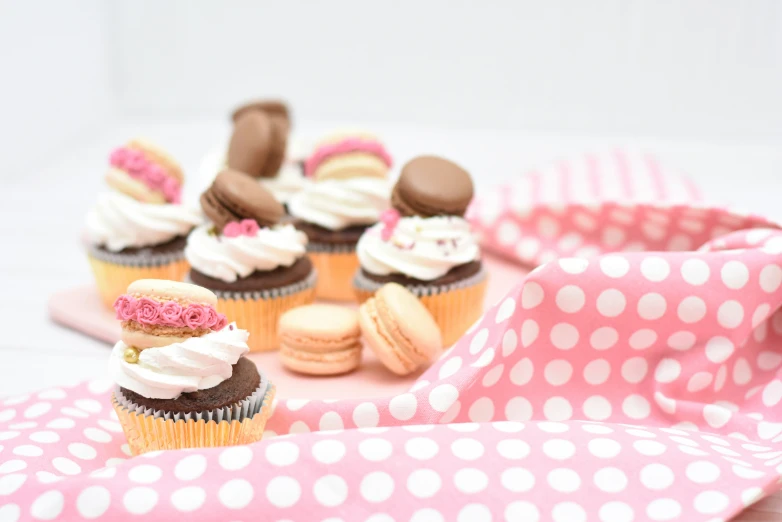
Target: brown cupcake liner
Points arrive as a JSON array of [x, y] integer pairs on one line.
[[152, 430], [259, 312], [455, 307], [113, 279], [335, 274]]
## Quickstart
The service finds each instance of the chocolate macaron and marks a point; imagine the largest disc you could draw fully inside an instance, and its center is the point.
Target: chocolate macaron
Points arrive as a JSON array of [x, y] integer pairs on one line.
[[234, 196], [432, 186], [272, 107], [258, 144]]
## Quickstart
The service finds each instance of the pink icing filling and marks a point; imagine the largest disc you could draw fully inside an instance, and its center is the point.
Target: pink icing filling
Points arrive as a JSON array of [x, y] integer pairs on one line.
[[245, 227], [151, 174], [347, 145], [154, 313]]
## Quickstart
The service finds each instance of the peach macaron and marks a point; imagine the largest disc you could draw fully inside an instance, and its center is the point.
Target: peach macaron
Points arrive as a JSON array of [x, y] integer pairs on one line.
[[399, 329], [320, 339]]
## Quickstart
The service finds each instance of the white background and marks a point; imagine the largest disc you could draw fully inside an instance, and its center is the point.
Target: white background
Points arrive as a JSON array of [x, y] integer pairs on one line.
[[498, 86]]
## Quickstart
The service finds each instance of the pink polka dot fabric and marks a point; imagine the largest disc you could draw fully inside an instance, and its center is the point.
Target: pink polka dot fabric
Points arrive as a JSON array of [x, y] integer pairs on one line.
[[623, 387]]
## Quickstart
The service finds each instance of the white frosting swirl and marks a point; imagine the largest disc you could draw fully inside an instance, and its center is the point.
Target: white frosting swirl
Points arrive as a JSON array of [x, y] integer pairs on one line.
[[421, 248], [119, 221], [231, 258], [340, 203], [288, 182], [199, 363]]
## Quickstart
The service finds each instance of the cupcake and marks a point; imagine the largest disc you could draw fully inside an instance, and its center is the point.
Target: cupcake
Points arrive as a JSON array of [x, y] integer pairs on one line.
[[425, 244], [257, 267], [349, 192], [182, 380], [138, 229]]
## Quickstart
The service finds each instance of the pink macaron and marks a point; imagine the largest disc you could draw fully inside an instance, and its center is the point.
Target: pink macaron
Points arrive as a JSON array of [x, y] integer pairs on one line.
[[399, 329], [320, 339]]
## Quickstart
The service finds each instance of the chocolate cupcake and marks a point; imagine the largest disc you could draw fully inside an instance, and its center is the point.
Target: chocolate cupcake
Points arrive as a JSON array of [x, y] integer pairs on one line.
[[257, 267], [138, 230], [425, 244], [182, 379], [349, 193]]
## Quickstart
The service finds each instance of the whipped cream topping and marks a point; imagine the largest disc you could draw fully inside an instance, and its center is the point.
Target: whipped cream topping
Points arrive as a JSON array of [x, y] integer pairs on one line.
[[231, 258], [336, 204], [287, 183], [198, 363], [118, 221], [421, 248]]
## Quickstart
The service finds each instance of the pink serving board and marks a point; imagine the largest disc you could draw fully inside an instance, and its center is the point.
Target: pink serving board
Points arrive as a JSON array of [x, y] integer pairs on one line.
[[80, 308]]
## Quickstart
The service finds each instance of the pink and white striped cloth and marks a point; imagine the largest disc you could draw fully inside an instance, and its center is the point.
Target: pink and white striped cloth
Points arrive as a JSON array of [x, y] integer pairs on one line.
[[625, 387]]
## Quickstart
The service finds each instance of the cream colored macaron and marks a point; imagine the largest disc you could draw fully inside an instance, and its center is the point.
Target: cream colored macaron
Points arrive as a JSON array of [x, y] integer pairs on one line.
[[320, 339], [399, 329]]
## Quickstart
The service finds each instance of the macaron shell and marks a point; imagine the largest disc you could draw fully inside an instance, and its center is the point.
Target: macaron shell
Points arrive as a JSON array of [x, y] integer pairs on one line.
[[164, 290], [381, 342], [343, 134], [433, 186], [250, 147], [334, 363], [351, 165], [245, 198], [217, 213], [122, 182], [320, 328], [159, 156], [409, 322], [278, 145], [272, 107]]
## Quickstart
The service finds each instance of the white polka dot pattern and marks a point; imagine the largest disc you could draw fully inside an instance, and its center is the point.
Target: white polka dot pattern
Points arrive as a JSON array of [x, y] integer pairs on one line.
[[625, 387]]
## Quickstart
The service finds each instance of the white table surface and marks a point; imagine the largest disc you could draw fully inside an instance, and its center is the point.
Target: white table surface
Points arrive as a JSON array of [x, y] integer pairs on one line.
[[43, 211]]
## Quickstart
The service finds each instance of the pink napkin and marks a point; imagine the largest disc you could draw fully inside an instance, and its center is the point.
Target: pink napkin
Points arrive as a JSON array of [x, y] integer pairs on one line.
[[626, 387]]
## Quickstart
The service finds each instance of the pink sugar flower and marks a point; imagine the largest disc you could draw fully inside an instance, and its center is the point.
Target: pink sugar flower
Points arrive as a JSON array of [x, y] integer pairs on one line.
[[172, 191], [232, 229], [195, 316], [249, 227], [154, 174], [126, 307], [171, 314], [211, 317], [135, 161], [389, 218], [221, 323], [148, 311], [118, 157]]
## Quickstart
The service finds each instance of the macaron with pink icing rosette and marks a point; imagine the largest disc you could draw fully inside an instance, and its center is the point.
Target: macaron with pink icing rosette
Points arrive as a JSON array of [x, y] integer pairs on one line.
[[346, 155], [145, 172], [157, 312]]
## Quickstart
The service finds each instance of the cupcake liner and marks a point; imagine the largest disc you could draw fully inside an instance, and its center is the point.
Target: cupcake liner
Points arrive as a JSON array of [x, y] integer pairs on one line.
[[259, 312], [335, 274], [151, 430], [113, 279], [455, 307], [137, 259], [328, 248]]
